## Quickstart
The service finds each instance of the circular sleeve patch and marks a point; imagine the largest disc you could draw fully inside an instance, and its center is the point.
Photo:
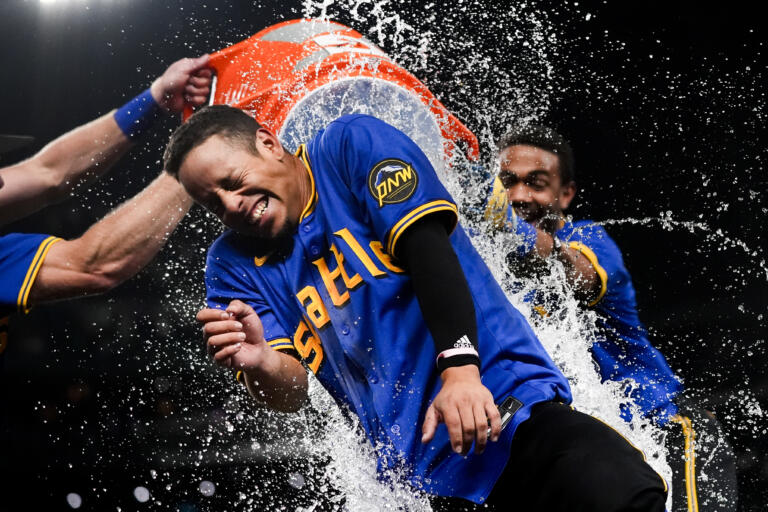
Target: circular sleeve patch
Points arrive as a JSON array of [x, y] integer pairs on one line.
[[392, 181]]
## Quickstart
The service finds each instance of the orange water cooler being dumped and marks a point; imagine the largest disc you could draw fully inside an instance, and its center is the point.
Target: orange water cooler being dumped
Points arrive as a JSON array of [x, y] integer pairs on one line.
[[297, 76]]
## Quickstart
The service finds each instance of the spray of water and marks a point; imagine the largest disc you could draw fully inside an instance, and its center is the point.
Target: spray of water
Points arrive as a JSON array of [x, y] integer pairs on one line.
[[511, 76]]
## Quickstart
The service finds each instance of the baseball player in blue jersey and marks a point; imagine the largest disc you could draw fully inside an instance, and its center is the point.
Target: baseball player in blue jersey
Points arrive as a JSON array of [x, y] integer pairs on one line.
[[535, 184], [348, 257], [38, 268]]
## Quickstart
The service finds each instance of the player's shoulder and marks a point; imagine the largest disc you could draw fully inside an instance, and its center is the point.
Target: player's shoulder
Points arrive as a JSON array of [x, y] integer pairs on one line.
[[592, 235], [585, 230], [355, 126], [232, 249]]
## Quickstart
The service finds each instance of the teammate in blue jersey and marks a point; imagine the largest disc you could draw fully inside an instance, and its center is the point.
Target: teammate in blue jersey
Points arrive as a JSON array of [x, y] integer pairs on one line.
[[38, 268], [348, 256], [534, 186]]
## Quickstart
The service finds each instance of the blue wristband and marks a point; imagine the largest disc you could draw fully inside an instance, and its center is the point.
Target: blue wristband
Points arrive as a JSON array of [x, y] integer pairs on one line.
[[526, 237], [137, 115]]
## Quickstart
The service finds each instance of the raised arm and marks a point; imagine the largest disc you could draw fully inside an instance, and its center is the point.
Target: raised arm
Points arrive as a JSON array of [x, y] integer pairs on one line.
[[116, 247], [85, 153], [235, 339]]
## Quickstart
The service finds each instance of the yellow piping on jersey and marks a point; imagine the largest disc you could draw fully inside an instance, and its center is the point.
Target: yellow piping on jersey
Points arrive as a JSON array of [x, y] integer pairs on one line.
[[601, 273], [310, 206], [690, 461], [276, 344], [414, 215], [281, 344], [32, 271]]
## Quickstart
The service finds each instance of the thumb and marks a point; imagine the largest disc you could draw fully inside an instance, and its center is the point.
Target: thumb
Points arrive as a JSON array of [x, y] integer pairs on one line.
[[198, 63], [253, 325], [430, 425]]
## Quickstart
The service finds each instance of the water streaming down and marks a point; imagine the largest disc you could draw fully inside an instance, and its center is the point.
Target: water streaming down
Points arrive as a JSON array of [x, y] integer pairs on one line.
[[351, 467], [458, 66], [567, 335]]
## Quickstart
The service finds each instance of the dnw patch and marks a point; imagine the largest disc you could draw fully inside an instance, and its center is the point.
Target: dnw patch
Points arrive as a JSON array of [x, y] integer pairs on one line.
[[392, 181]]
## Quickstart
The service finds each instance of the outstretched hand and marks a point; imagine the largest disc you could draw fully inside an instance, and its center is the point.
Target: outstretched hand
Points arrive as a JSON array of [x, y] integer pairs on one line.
[[466, 407], [185, 82], [235, 336]]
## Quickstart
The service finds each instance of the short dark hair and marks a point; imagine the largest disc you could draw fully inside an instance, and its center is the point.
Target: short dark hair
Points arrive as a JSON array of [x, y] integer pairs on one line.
[[231, 123], [544, 138]]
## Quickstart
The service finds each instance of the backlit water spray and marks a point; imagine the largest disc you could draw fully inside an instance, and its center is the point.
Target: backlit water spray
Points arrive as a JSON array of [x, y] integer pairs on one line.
[[512, 75]]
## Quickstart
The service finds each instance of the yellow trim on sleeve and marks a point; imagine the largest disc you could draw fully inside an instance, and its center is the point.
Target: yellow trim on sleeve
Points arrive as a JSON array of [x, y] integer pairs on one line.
[[414, 215], [601, 273], [32, 271], [276, 344], [281, 344], [498, 203], [310, 206], [690, 461]]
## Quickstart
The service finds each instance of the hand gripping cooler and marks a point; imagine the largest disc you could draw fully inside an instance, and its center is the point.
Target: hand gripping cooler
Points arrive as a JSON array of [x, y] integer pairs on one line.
[[297, 76]]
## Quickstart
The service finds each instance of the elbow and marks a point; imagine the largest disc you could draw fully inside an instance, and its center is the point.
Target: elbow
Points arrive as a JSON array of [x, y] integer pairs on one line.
[[106, 277], [53, 188]]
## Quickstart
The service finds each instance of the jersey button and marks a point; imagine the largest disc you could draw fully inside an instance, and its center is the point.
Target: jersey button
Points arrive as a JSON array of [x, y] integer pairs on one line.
[[345, 329], [315, 250], [307, 227]]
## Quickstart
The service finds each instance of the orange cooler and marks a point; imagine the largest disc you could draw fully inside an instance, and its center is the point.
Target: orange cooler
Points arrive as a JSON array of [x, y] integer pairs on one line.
[[297, 76]]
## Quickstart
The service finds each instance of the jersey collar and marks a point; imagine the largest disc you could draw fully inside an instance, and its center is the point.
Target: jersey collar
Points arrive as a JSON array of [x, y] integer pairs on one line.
[[310, 206]]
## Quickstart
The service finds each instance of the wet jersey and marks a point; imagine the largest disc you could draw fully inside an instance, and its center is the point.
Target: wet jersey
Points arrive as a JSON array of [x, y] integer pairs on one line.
[[334, 294], [622, 350], [21, 256]]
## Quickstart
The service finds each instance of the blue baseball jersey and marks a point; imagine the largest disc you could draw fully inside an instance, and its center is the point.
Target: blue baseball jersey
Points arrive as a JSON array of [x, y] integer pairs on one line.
[[622, 350], [21, 256], [334, 295]]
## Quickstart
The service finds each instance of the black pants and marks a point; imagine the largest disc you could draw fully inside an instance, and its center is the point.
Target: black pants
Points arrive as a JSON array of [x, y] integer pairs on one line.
[[564, 460], [702, 461]]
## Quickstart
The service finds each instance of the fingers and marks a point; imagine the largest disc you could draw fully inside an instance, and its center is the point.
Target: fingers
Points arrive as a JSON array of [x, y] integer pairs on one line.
[[224, 355], [194, 64], [455, 431], [430, 425], [481, 428], [200, 80], [191, 90], [492, 413], [206, 315], [239, 309], [226, 338]]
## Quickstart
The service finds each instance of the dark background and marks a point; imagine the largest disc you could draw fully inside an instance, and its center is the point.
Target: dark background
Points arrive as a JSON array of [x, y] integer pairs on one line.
[[664, 103]]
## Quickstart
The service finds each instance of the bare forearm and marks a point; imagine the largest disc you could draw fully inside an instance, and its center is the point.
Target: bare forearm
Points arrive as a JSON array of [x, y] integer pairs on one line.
[[281, 382], [74, 159], [129, 237], [579, 272], [116, 247]]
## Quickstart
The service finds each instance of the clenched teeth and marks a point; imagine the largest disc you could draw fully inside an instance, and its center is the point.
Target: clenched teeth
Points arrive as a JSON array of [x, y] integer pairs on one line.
[[259, 211]]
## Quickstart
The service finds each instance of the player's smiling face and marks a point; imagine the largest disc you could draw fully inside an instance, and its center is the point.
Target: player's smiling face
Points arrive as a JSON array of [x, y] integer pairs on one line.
[[531, 177], [259, 195]]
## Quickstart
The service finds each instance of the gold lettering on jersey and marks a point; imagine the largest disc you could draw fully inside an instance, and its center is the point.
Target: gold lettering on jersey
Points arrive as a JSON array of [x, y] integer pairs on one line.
[[329, 277], [315, 308], [366, 260], [307, 344], [384, 258]]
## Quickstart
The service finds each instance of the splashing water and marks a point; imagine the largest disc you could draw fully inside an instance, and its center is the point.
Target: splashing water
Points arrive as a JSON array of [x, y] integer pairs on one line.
[[513, 77]]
